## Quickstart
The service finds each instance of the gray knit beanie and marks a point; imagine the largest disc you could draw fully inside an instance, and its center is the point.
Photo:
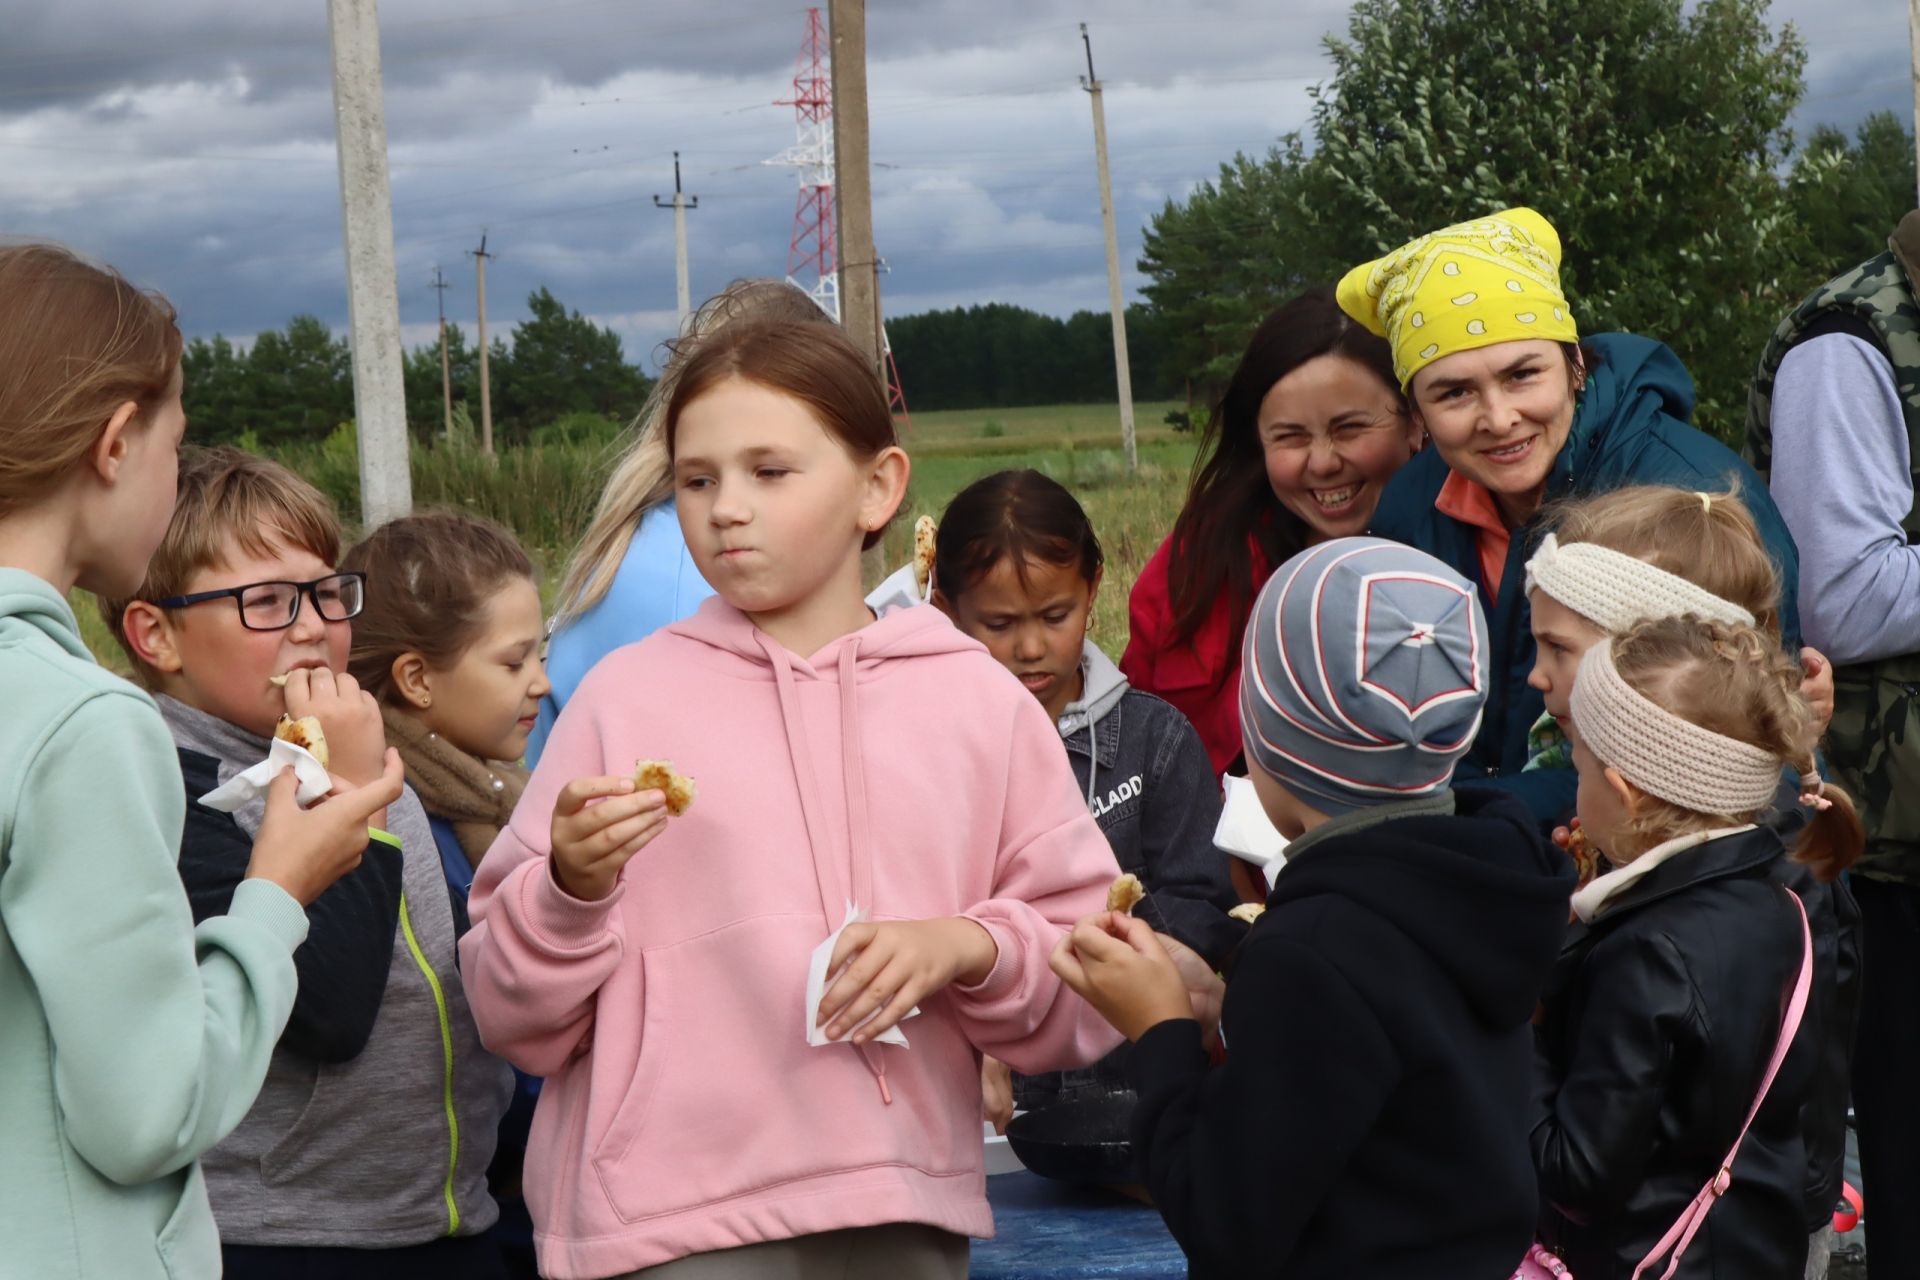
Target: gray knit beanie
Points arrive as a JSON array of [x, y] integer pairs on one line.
[[1364, 674]]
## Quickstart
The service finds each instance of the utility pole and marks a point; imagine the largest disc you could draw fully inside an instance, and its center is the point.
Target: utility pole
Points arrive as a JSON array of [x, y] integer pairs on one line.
[[446, 378], [680, 204], [480, 257], [852, 181], [1122, 375], [373, 298]]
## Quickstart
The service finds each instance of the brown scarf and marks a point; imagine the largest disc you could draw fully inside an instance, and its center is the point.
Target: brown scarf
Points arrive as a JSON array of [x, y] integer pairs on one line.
[[475, 796]]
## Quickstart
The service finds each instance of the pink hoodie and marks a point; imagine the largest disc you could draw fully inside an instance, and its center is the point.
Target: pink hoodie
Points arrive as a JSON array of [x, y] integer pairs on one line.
[[901, 767]]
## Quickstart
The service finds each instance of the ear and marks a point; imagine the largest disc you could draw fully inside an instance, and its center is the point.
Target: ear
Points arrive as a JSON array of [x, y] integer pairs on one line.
[[150, 635], [110, 450], [1631, 797], [1093, 588], [413, 680], [886, 487], [939, 601]]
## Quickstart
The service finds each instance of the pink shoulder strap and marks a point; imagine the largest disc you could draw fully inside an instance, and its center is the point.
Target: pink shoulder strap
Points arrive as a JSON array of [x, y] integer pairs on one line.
[[1681, 1234]]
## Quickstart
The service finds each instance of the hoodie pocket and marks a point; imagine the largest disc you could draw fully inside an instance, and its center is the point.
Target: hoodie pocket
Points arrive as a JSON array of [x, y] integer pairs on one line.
[[726, 1098]]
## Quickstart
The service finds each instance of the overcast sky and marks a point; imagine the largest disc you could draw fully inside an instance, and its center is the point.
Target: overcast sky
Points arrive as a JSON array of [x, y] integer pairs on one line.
[[190, 142]]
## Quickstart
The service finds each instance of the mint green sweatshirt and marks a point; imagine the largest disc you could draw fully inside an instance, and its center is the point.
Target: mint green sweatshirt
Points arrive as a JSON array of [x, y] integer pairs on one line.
[[130, 1041]]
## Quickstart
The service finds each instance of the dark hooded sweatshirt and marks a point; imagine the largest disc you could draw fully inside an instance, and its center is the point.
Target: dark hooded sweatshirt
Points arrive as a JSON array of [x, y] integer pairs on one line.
[[1371, 1116]]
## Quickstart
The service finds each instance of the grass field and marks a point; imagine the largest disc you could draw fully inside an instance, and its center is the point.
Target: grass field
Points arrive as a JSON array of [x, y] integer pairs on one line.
[[546, 494]]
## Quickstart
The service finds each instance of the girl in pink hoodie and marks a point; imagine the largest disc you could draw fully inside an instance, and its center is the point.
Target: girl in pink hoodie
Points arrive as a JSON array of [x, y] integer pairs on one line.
[[655, 968]]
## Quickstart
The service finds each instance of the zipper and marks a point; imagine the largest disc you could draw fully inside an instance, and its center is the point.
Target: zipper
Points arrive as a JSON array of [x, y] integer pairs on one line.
[[446, 1047]]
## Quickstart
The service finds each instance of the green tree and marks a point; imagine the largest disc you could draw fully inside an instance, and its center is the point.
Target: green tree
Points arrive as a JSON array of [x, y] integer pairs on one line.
[[1848, 196], [560, 363], [1651, 132], [299, 383], [214, 381]]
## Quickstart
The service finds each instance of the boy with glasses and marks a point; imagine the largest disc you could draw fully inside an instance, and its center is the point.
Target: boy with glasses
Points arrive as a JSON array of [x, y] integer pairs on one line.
[[366, 1153]]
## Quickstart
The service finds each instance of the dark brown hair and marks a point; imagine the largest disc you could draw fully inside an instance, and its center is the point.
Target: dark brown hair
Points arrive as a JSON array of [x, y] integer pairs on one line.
[[430, 578], [1736, 682], [1019, 515], [227, 500], [814, 363], [1230, 501], [76, 342]]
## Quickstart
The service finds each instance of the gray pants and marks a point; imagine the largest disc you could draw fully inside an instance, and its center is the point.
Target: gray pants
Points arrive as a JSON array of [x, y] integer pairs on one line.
[[896, 1251], [1820, 1253]]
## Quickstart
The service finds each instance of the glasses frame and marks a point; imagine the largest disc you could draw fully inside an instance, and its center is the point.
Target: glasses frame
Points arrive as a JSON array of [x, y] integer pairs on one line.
[[308, 590]]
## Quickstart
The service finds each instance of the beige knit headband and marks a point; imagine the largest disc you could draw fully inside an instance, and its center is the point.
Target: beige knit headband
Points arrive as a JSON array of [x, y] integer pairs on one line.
[[1614, 590], [1662, 754]]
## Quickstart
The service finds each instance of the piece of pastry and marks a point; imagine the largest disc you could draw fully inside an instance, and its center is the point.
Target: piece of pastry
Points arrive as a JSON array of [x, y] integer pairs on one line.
[[660, 775], [1248, 912], [304, 732], [279, 681], [924, 532], [1125, 893]]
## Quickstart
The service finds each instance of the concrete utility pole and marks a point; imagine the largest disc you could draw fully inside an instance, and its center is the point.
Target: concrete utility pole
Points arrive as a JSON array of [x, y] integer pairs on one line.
[[373, 298], [853, 183], [446, 378], [480, 257], [680, 204], [1122, 374]]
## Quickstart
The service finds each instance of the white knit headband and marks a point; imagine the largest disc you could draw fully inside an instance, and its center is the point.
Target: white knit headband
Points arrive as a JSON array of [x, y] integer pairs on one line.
[[1614, 590], [1674, 759]]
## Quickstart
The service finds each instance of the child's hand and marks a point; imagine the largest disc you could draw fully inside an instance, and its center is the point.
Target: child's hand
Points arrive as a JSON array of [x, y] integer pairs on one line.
[[1816, 686], [306, 850], [592, 842], [348, 715], [894, 965], [1205, 991], [1118, 965], [996, 1093]]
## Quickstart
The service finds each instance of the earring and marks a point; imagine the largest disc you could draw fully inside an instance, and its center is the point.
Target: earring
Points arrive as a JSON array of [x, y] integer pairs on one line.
[[426, 702]]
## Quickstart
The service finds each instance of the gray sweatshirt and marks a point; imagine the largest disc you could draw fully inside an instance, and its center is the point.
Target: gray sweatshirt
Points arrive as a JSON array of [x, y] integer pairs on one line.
[[1843, 482], [390, 1147]]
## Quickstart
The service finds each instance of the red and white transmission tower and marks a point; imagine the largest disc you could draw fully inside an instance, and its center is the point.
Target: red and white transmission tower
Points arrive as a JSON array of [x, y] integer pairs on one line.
[[813, 260]]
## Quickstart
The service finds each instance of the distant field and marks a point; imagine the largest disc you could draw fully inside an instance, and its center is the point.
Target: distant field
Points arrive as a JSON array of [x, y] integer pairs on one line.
[[546, 494]]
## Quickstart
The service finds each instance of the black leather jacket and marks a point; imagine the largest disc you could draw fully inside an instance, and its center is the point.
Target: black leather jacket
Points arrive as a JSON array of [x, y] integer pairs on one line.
[[1659, 1021]]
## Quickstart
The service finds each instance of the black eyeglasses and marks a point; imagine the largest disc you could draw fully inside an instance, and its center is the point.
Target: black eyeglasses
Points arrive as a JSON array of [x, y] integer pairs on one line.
[[272, 606]]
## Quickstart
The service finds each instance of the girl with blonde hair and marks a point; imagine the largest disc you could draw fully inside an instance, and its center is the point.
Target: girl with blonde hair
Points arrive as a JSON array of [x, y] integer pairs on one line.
[[632, 574]]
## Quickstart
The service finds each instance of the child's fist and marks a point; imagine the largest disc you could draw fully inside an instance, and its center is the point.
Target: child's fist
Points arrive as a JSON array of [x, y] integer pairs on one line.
[[348, 715]]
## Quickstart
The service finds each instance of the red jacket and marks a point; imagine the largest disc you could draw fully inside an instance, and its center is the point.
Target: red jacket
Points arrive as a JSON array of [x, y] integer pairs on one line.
[[1200, 676]]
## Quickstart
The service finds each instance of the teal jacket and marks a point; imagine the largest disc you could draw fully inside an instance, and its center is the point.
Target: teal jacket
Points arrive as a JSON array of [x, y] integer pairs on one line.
[[130, 1041], [1630, 428]]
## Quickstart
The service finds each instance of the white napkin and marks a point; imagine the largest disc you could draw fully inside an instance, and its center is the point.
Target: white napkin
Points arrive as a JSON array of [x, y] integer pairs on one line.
[[817, 990], [237, 791], [1245, 831]]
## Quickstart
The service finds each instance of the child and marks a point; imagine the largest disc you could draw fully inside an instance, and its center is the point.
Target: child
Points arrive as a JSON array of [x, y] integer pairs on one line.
[[632, 573], [1666, 1004], [1369, 1119], [449, 645], [839, 762], [1649, 551], [366, 1153], [1017, 567], [134, 1039]]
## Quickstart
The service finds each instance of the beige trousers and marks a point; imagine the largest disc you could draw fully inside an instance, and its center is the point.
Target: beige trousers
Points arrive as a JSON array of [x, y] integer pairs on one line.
[[896, 1251]]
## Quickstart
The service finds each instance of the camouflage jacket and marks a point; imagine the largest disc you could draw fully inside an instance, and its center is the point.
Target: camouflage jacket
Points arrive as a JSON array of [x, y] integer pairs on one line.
[[1873, 745]]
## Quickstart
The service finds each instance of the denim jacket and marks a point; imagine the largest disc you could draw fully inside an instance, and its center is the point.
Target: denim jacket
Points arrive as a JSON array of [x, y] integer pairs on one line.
[[1151, 788]]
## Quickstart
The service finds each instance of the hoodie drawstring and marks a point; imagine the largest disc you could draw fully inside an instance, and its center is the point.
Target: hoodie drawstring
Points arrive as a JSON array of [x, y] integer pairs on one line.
[[834, 894]]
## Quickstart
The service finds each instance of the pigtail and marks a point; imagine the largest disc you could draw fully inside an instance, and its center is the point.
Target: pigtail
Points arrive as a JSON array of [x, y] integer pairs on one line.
[[1834, 836]]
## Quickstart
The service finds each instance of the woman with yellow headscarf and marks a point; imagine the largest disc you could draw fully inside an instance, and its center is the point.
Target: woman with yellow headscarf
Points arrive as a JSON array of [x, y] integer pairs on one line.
[[1521, 412]]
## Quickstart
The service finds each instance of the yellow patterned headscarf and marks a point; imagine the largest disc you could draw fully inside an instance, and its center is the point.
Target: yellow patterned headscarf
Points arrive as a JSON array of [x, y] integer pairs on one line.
[[1494, 279]]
